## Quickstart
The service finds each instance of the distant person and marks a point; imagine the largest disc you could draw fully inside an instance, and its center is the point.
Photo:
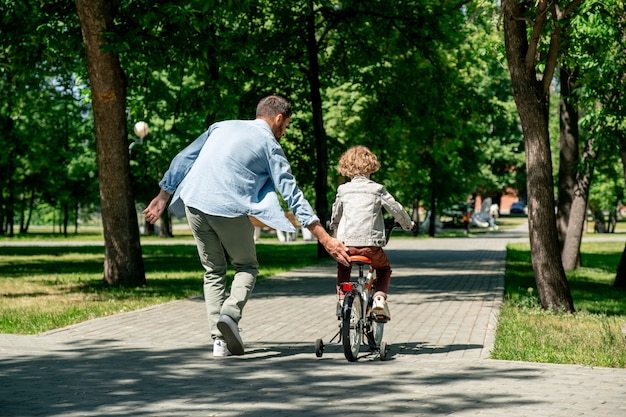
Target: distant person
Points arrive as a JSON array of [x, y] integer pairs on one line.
[[599, 225], [467, 217], [357, 218], [227, 174], [613, 219], [494, 212]]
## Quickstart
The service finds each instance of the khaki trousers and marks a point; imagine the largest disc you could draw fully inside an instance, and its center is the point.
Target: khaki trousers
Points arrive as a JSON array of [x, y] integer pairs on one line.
[[219, 240]]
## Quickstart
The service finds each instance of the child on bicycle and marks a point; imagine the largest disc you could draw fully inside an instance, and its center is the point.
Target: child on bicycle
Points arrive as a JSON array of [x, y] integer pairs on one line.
[[357, 218]]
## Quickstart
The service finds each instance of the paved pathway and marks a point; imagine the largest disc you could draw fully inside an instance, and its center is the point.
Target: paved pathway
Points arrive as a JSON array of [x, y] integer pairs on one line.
[[444, 302]]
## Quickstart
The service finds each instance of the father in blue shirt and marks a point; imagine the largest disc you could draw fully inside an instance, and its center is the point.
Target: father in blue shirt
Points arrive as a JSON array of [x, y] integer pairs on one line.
[[230, 172]]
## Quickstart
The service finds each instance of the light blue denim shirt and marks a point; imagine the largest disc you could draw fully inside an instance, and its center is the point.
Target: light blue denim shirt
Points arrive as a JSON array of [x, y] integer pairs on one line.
[[234, 169]]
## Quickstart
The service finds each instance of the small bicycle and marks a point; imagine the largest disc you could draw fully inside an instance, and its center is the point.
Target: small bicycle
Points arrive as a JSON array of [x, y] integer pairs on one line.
[[357, 323]]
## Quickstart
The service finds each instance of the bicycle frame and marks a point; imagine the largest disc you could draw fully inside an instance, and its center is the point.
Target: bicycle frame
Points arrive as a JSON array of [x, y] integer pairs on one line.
[[358, 326], [363, 286]]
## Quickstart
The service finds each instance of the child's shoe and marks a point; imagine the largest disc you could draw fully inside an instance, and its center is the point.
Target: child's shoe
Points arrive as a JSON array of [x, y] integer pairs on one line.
[[380, 309]]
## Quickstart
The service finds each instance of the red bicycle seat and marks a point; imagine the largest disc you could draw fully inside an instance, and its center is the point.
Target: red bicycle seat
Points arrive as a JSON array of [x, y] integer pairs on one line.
[[360, 258]]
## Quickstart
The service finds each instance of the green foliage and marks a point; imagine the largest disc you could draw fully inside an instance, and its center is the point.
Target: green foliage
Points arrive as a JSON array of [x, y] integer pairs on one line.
[[43, 117], [423, 83], [607, 189], [593, 47]]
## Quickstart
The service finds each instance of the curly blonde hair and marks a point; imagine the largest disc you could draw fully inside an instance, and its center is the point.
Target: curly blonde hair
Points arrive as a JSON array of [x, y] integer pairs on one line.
[[358, 160]]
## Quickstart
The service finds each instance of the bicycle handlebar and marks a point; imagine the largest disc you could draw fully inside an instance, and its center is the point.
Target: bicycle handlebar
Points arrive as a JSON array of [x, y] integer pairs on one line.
[[395, 225], [390, 230]]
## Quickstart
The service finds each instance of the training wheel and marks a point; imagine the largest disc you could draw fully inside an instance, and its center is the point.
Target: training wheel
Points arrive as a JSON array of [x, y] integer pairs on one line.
[[383, 351], [319, 348]]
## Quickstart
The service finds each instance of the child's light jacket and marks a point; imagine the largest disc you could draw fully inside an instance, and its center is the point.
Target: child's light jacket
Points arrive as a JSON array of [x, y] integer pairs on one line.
[[357, 214]]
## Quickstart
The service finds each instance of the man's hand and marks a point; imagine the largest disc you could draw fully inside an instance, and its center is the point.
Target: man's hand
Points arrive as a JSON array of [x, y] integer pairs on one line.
[[337, 250], [333, 246], [156, 207]]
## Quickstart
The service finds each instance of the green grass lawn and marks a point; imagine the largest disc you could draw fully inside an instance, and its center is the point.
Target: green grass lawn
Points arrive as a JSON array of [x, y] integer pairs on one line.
[[49, 287], [592, 336]]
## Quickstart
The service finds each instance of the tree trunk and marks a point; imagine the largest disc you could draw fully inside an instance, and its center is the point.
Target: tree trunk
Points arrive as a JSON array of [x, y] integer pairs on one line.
[[10, 213], [416, 214], [532, 105], [319, 132], [620, 276], [76, 214], [432, 224], [568, 148], [66, 216], [31, 207], [571, 248], [148, 228], [621, 140], [570, 255], [166, 225], [123, 262], [22, 213]]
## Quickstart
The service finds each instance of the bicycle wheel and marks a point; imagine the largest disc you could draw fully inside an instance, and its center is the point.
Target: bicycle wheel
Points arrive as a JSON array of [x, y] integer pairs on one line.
[[377, 332], [374, 334], [384, 349], [319, 348], [351, 331]]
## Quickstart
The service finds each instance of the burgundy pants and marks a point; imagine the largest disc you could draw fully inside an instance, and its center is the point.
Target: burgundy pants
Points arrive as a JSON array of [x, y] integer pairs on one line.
[[379, 262]]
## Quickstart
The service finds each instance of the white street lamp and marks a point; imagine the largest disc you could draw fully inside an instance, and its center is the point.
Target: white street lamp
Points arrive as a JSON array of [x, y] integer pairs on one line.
[[141, 130]]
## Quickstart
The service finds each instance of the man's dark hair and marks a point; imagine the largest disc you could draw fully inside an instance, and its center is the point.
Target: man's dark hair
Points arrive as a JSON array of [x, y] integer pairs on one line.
[[271, 106]]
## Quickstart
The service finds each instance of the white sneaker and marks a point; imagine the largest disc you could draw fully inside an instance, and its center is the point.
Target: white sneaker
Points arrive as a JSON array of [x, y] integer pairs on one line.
[[380, 309], [220, 349]]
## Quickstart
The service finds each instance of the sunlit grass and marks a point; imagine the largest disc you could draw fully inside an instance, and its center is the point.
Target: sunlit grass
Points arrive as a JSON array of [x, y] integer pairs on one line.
[[592, 336], [532, 335], [45, 288], [49, 287]]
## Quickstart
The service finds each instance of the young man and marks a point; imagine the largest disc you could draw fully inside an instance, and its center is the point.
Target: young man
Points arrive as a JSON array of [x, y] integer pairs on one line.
[[229, 173]]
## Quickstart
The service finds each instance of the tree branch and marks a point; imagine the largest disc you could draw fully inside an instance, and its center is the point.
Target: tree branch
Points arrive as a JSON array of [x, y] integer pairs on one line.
[[551, 60], [555, 41], [536, 34], [568, 9]]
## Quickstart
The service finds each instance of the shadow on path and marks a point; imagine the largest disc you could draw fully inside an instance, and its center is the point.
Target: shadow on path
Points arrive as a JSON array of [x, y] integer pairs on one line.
[[106, 379]]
